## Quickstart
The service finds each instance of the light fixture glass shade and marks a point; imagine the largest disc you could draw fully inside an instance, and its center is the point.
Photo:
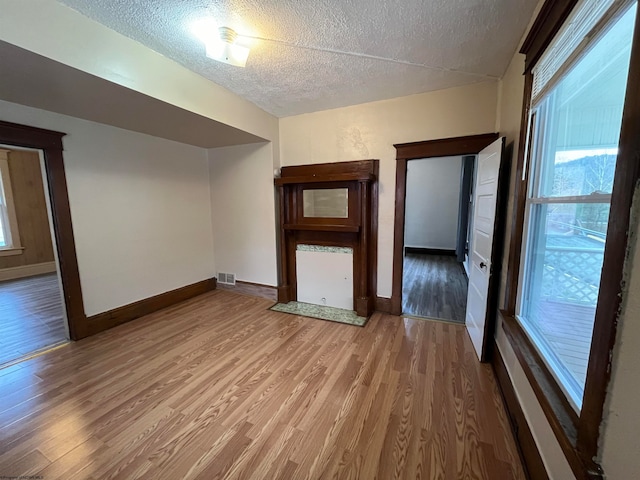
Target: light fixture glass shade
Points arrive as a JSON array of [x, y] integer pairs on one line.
[[226, 52]]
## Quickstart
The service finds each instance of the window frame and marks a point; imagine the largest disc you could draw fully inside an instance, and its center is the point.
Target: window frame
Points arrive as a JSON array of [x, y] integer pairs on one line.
[[577, 433], [10, 223]]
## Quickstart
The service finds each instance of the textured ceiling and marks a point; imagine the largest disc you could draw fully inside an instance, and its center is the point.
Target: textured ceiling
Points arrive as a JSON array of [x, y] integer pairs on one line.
[[313, 55]]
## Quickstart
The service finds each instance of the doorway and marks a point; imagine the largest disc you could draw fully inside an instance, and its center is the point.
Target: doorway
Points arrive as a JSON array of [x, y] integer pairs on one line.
[[49, 143], [32, 312], [436, 237], [485, 249]]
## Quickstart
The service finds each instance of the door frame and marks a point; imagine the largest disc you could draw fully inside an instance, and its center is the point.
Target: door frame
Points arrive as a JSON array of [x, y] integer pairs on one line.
[[50, 143], [446, 147]]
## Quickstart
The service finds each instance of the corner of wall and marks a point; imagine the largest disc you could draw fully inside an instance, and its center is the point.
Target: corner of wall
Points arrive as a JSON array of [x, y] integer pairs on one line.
[[210, 155], [243, 211], [499, 105]]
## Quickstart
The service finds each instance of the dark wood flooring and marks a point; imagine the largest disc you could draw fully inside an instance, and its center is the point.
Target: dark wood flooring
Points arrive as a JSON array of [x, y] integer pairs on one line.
[[220, 387], [31, 316], [434, 286], [253, 289]]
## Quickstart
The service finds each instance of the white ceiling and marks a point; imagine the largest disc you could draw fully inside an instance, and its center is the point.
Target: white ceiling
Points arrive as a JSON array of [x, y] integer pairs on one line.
[[320, 54]]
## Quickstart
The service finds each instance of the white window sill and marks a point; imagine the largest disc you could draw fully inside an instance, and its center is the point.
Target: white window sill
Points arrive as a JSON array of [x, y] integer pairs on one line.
[[8, 252]]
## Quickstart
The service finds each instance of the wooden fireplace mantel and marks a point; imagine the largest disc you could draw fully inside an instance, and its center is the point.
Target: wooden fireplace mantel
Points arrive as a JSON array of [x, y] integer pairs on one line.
[[359, 231]]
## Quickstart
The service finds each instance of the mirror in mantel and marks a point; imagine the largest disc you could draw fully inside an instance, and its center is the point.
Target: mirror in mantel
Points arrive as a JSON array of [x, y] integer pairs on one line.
[[326, 203]]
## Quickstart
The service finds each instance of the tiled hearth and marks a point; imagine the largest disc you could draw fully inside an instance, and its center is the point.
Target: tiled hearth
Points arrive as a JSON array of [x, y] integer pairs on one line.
[[318, 311]]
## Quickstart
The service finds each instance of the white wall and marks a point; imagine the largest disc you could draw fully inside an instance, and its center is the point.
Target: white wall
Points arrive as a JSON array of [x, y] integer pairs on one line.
[[370, 130], [433, 199], [243, 212], [140, 208], [621, 422]]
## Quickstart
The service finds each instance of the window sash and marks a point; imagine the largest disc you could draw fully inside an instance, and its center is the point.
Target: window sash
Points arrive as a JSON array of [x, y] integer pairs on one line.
[[6, 240], [570, 387], [4, 210]]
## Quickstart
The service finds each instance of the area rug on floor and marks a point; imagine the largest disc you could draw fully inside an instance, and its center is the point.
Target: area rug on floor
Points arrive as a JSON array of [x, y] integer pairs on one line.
[[323, 313]]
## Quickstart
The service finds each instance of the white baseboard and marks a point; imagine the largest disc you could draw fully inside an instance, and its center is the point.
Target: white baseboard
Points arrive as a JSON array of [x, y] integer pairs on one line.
[[27, 271]]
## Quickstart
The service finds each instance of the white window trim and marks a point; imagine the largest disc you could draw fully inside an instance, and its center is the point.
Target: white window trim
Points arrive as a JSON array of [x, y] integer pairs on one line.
[[11, 251], [14, 246]]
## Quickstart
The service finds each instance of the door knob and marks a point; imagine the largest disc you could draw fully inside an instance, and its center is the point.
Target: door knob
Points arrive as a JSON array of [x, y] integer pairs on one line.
[[483, 265]]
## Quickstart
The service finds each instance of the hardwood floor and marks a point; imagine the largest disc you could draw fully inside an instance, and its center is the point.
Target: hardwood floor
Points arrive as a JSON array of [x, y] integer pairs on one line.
[[434, 286], [31, 316], [253, 289], [221, 387]]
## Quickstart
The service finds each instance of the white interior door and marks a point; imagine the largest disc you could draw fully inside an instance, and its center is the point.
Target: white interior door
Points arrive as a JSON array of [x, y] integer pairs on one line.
[[484, 214]]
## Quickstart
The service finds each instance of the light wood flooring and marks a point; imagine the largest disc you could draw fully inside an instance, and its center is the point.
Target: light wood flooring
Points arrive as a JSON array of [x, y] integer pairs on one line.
[[434, 286], [31, 316], [220, 387]]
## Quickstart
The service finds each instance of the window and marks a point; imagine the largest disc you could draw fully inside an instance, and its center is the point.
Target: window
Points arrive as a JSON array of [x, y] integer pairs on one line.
[[5, 236], [575, 129], [577, 175], [9, 235]]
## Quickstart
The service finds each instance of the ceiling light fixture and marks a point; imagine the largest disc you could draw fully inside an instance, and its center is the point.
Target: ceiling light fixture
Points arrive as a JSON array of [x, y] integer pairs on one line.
[[225, 49]]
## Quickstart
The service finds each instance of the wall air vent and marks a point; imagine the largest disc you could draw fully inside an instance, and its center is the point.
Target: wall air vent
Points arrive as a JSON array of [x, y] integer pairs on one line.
[[227, 278]]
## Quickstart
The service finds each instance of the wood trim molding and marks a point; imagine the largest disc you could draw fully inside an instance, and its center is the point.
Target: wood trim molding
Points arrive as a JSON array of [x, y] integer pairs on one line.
[[31, 137], [547, 391], [315, 178], [355, 170], [50, 143], [398, 236], [446, 147], [548, 22], [126, 313], [11, 252], [529, 453], [519, 196], [430, 251], [383, 305], [27, 270]]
